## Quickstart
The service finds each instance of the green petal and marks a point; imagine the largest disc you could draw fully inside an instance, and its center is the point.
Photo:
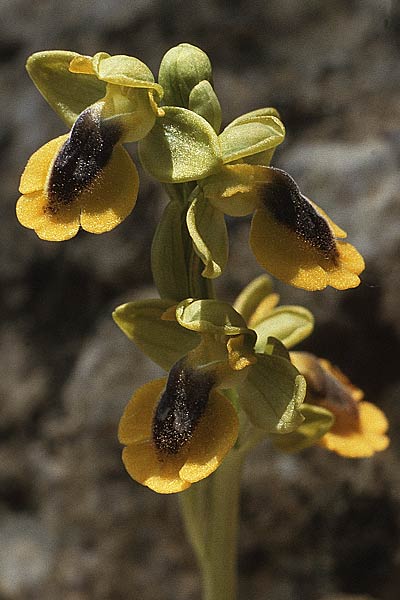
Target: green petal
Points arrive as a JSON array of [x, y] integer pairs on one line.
[[211, 316], [168, 254], [181, 69], [208, 231], [272, 394], [164, 341], [204, 101], [251, 296], [254, 114], [126, 71], [289, 324], [67, 93], [251, 137], [182, 146], [317, 421]]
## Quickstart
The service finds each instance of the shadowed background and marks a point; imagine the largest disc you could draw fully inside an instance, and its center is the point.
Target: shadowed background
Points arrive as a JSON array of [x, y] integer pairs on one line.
[[314, 526]]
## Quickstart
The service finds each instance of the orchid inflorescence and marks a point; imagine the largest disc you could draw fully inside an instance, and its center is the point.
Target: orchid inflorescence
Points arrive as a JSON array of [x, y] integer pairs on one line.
[[231, 380]]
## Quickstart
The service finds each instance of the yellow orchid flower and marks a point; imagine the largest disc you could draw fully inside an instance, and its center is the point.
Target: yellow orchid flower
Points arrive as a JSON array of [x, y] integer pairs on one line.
[[87, 179], [291, 237], [359, 429]]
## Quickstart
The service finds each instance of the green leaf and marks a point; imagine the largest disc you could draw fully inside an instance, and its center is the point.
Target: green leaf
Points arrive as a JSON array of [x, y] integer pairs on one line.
[[208, 231], [251, 296], [204, 101], [67, 93], [289, 324], [168, 254], [163, 341], [317, 421], [251, 137], [181, 69], [272, 394], [211, 316], [182, 146]]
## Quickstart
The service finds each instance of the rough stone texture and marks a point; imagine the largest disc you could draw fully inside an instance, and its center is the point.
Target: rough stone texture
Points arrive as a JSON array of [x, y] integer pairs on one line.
[[314, 526]]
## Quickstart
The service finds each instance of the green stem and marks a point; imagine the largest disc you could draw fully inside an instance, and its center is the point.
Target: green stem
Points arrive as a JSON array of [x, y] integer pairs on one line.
[[210, 510]]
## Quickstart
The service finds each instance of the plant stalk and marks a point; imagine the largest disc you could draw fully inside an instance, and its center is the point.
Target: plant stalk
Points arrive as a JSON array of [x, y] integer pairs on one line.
[[210, 511]]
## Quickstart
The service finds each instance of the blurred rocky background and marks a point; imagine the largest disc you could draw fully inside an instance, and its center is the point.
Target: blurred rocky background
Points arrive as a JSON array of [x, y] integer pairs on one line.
[[314, 526]]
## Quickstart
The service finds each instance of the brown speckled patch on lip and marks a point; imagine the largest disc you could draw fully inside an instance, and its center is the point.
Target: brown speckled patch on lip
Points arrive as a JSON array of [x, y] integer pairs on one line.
[[81, 159], [180, 407], [281, 196]]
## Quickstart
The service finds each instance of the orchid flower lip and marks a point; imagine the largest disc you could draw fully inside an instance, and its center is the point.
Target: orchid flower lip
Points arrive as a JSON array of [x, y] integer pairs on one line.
[[282, 197], [180, 407], [81, 158]]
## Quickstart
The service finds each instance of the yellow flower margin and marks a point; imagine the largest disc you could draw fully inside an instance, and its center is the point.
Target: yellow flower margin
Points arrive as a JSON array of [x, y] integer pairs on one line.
[[98, 209], [360, 427], [214, 436]]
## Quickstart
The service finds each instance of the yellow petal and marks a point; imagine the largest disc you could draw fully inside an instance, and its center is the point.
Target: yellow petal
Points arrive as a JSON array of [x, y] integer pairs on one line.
[[213, 438], [136, 422], [57, 227], [35, 173], [351, 446], [161, 474], [112, 196], [369, 438], [281, 252]]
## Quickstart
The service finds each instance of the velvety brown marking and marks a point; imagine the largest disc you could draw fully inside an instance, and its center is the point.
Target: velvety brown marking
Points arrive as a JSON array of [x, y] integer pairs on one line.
[[81, 158], [282, 197], [180, 407]]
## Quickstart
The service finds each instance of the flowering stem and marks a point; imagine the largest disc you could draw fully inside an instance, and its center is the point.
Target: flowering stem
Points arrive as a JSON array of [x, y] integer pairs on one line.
[[210, 510]]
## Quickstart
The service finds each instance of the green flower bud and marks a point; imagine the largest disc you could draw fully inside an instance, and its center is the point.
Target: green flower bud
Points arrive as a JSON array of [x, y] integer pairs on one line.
[[181, 69]]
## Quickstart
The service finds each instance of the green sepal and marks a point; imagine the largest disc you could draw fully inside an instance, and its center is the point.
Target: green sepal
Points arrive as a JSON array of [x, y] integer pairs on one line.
[[204, 101], [251, 296], [317, 422], [164, 341], [126, 71], [67, 93], [289, 324], [208, 231], [181, 69], [273, 393], [211, 316], [168, 253], [182, 146], [251, 137]]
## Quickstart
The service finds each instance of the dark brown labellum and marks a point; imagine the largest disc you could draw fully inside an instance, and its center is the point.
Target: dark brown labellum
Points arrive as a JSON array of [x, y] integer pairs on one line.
[[281, 196], [81, 158], [180, 407]]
